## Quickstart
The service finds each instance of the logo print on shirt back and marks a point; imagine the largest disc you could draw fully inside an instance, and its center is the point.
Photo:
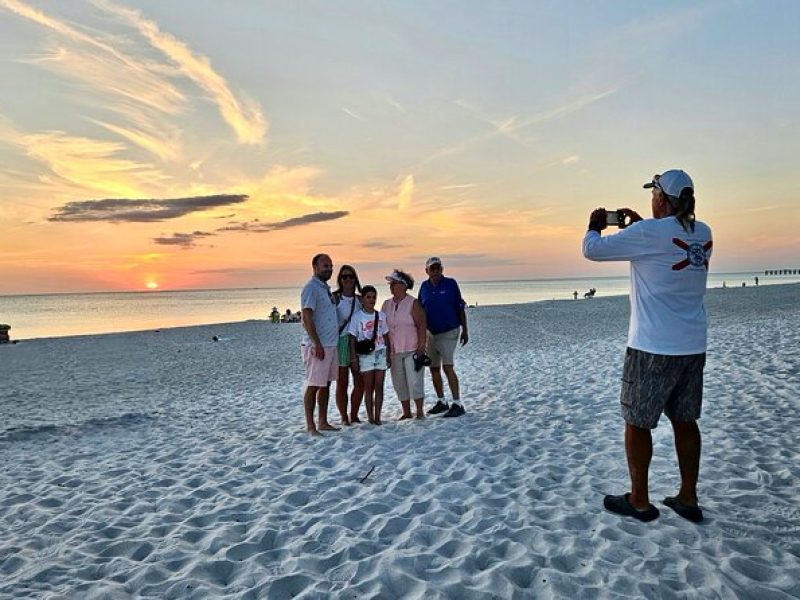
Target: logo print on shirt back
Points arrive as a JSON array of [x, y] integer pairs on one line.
[[696, 254]]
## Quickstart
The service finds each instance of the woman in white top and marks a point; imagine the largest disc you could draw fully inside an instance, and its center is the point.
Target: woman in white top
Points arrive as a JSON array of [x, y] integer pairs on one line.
[[348, 303]]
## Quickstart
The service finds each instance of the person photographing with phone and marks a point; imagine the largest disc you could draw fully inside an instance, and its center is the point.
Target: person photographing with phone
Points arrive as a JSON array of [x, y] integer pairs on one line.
[[666, 353]]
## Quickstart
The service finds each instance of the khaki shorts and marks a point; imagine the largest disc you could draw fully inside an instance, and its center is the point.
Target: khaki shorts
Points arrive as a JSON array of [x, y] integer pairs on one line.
[[656, 383], [319, 373], [408, 383], [441, 347]]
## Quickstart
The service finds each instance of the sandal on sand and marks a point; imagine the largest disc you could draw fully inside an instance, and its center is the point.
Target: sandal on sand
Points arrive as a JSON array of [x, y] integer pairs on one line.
[[622, 506], [690, 513]]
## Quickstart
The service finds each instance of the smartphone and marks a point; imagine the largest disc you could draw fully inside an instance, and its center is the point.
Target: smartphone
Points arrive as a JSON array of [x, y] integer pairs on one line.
[[617, 218]]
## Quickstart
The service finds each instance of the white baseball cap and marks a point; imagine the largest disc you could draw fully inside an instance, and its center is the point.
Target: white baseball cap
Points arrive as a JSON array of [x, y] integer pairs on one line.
[[433, 260], [671, 182]]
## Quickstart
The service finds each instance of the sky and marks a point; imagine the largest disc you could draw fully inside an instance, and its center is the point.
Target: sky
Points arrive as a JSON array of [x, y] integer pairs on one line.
[[194, 144]]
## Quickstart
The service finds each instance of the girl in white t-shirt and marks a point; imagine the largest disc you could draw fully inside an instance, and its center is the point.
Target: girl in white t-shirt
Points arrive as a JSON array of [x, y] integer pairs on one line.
[[373, 365]]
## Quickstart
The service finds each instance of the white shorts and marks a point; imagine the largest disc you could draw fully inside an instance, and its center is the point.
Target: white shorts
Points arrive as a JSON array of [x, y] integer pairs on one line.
[[408, 383], [319, 373], [374, 361]]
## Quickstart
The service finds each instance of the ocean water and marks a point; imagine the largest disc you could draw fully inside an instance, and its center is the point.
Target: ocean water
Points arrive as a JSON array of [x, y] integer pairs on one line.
[[57, 315]]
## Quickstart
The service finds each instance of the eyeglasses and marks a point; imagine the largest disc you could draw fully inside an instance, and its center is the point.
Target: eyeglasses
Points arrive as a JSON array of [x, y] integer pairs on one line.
[[347, 276]]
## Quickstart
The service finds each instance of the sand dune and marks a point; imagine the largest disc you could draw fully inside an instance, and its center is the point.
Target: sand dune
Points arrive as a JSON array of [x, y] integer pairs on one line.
[[166, 465]]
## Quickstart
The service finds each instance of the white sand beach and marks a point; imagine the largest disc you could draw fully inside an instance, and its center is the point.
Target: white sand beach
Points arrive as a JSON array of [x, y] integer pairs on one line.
[[167, 465]]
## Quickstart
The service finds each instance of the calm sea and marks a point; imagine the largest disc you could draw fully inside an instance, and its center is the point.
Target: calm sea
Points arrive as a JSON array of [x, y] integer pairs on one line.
[[56, 315]]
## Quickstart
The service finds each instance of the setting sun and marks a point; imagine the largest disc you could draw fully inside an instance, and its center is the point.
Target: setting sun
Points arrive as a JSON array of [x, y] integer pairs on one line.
[[151, 285]]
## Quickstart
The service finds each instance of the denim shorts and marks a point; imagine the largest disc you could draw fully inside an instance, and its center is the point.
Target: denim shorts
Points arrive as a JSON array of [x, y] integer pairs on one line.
[[656, 383], [374, 361]]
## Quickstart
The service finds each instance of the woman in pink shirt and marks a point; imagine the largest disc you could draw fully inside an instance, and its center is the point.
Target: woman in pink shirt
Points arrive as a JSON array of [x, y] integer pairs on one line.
[[408, 330]]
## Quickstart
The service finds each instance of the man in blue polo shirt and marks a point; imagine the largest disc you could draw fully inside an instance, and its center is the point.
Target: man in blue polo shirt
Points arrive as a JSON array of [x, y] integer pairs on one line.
[[447, 323]]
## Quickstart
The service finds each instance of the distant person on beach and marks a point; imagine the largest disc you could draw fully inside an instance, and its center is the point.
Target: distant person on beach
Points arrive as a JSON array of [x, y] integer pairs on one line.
[[348, 301], [275, 316], [441, 300], [408, 330], [666, 351], [756, 279], [369, 325], [319, 343], [575, 295]]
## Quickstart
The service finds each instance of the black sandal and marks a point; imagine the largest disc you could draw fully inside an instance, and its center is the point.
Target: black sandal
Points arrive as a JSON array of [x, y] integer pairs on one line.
[[621, 505], [690, 513]]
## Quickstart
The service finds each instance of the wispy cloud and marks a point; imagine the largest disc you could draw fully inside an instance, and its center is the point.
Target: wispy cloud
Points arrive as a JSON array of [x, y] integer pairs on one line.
[[90, 164], [241, 113], [143, 139], [116, 210], [458, 186], [256, 226], [352, 113], [184, 240], [510, 126], [406, 193], [382, 245], [129, 76]]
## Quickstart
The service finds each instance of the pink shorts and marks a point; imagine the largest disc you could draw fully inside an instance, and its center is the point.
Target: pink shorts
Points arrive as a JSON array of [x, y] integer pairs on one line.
[[319, 373]]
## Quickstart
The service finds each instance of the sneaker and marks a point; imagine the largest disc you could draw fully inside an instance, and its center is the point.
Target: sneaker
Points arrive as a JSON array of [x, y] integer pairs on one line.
[[440, 407], [456, 410]]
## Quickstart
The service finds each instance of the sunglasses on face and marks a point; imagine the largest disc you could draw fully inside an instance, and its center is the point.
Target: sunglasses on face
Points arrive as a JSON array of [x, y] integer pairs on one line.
[[347, 276]]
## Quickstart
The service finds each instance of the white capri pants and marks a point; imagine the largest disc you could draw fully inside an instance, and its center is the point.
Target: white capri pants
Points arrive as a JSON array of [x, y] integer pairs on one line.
[[408, 383]]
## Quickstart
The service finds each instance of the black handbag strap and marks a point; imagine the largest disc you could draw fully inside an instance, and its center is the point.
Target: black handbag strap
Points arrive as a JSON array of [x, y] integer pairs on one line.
[[375, 328], [352, 308]]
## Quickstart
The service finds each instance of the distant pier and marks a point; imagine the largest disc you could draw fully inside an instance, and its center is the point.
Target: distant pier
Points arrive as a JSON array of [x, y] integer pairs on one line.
[[782, 272]]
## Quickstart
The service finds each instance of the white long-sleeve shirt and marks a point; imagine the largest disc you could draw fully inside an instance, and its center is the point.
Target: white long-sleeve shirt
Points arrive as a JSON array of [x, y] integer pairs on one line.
[[669, 268]]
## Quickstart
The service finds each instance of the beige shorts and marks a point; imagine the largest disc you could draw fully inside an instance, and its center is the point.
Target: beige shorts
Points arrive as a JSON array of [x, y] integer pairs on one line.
[[408, 383], [319, 373], [441, 347]]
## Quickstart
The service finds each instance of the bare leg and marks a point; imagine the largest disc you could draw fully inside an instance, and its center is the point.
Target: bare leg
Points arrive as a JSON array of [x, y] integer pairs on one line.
[[379, 377], [406, 410], [341, 394], [436, 378], [322, 400], [688, 447], [452, 381], [309, 402], [419, 405], [639, 451], [369, 393], [356, 396]]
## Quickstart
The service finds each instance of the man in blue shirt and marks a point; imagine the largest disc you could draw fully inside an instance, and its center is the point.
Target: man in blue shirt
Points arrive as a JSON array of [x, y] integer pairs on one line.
[[441, 299]]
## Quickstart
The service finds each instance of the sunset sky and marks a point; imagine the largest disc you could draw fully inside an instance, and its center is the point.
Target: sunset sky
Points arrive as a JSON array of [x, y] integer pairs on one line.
[[202, 144]]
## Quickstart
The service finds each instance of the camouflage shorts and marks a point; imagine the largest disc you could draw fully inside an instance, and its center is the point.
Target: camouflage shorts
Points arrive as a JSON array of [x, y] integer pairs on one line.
[[656, 383]]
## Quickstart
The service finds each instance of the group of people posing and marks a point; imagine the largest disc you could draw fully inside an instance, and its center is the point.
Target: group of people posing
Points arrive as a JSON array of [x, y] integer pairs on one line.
[[664, 360], [347, 335]]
